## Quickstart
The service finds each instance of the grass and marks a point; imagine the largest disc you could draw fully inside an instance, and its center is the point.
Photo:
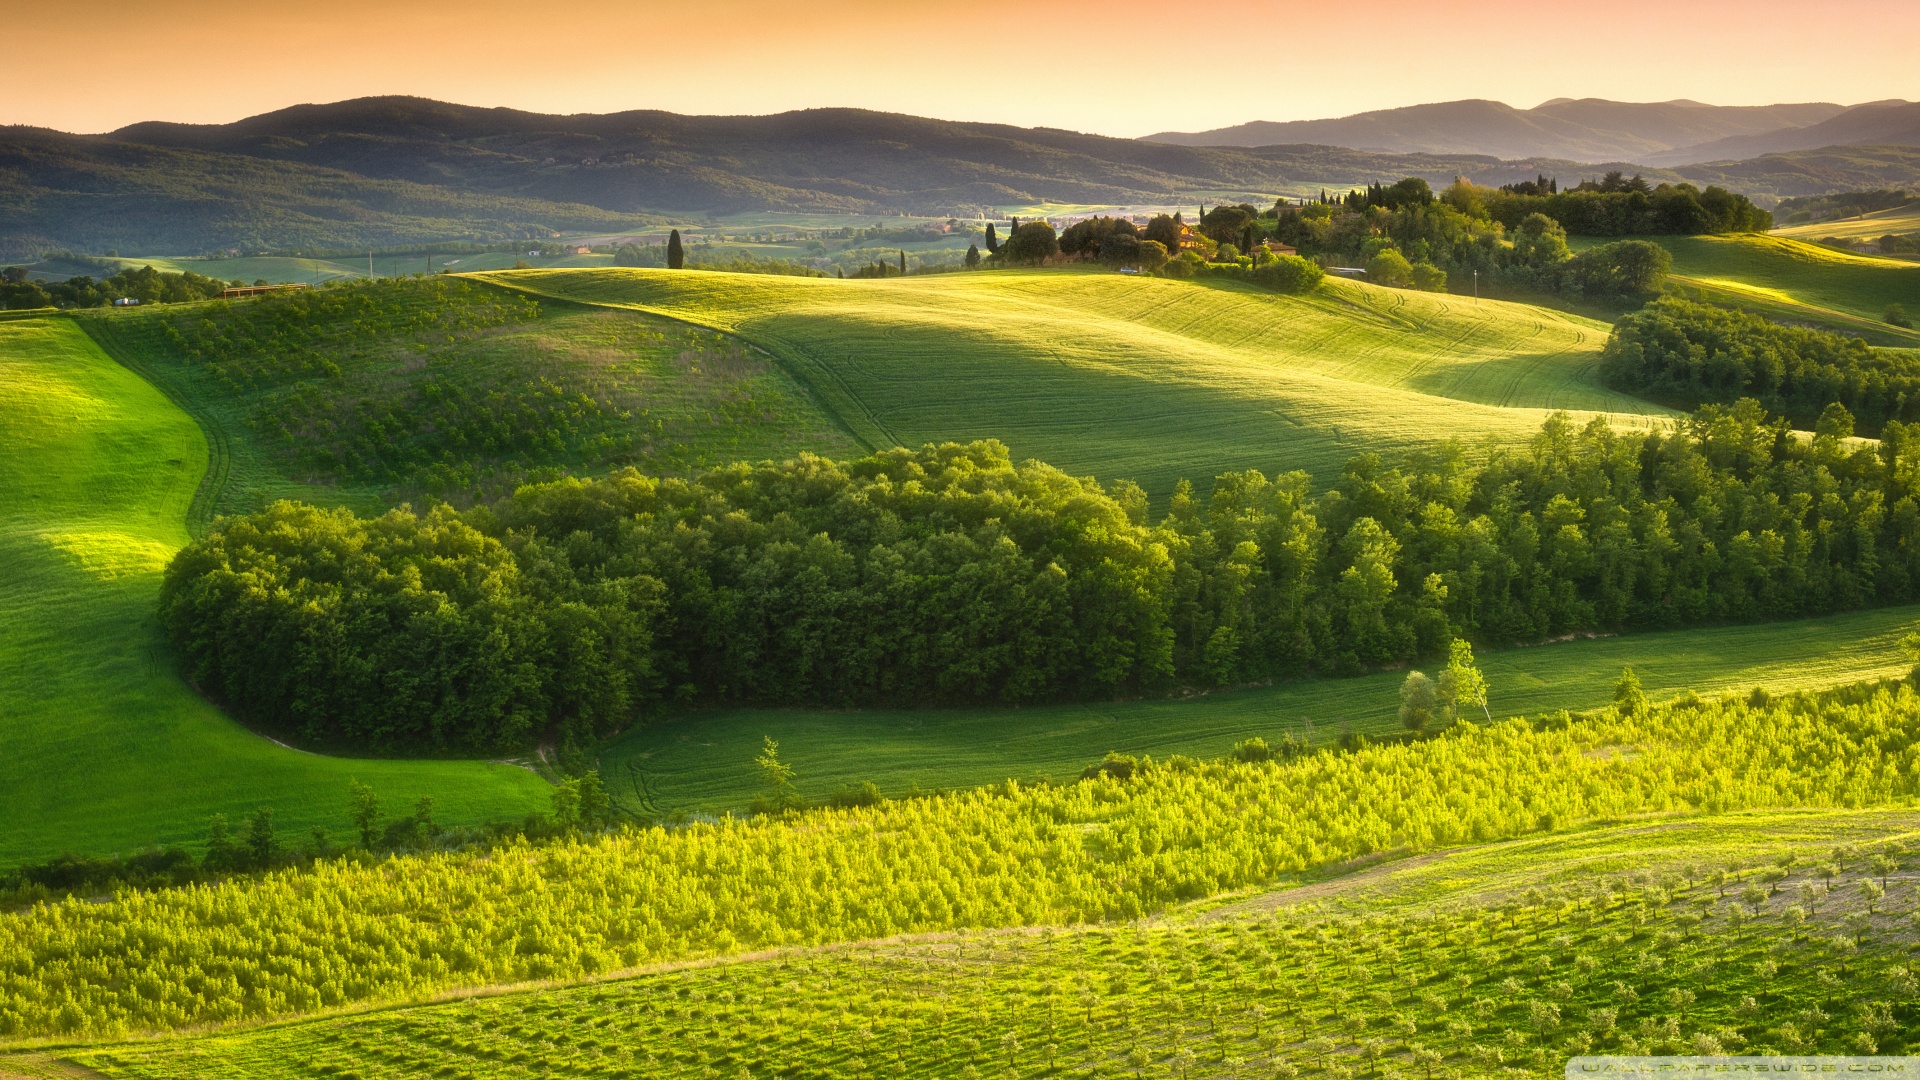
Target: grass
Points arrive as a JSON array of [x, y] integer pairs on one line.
[[1499, 960], [1142, 378], [446, 389], [107, 750], [1899, 221], [703, 763], [1797, 282]]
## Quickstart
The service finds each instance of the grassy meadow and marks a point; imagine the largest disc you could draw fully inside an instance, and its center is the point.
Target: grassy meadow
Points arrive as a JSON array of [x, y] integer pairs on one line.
[[441, 388], [1899, 221], [1794, 281], [107, 749], [704, 762], [1142, 378]]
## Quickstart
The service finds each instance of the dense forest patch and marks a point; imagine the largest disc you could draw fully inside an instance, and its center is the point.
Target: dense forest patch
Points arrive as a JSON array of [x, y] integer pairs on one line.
[[952, 575], [1687, 354]]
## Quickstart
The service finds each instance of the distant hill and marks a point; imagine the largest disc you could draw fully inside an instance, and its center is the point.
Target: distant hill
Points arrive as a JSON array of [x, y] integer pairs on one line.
[[1875, 123], [395, 170], [1584, 129]]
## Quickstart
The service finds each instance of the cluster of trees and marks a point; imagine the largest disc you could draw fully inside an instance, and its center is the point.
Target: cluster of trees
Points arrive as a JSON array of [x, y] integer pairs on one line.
[[1405, 240], [145, 284], [1105, 849], [951, 575], [1686, 354], [1633, 208]]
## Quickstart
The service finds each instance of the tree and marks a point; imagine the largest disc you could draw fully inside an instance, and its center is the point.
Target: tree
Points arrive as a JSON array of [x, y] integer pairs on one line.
[[1152, 255], [596, 807], [363, 806], [566, 804], [1540, 242], [1165, 231], [993, 242], [1622, 268], [1628, 698], [1428, 277], [973, 255], [903, 262], [1391, 268], [1462, 683], [676, 254], [1419, 701], [776, 776], [221, 854], [423, 816], [1032, 244], [258, 839]]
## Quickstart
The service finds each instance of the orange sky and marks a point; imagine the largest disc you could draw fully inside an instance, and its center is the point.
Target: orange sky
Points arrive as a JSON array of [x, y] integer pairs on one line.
[[1125, 67]]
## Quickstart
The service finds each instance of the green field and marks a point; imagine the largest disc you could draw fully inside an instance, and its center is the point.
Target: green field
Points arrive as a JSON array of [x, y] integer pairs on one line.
[[1794, 281], [442, 388], [107, 750], [1499, 960], [1142, 378], [1899, 221], [704, 763]]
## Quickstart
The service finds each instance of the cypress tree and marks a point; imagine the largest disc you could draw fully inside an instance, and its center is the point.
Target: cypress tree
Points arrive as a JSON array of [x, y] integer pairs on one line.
[[973, 255], [903, 262], [676, 255], [993, 242]]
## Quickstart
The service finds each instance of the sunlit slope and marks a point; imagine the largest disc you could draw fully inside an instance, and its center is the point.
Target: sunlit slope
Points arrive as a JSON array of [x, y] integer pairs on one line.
[[1898, 221], [1141, 377], [1795, 281], [106, 748]]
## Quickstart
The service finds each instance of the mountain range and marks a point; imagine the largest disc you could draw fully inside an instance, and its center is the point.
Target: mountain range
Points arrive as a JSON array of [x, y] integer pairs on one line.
[[398, 170], [1587, 129]]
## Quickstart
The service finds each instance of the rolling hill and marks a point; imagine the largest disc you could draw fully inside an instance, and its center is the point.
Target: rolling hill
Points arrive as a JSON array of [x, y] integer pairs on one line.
[[1587, 129], [386, 171], [1877, 123], [1141, 378], [1797, 282], [107, 749]]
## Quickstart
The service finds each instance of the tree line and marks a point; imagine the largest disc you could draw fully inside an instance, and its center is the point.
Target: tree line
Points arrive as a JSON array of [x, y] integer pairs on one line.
[[1687, 354], [1407, 236], [145, 284], [950, 575]]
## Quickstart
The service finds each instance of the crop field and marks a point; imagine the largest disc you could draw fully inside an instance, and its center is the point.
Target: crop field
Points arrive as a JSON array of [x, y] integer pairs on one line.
[[107, 749], [1900, 221], [1751, 933], [1142, 378], [704, 762], [1111, 849], [1797, 282], [443, 388]]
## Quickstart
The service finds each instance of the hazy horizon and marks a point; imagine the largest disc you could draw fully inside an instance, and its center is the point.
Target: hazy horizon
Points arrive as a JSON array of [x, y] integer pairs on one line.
[[1071, 64]]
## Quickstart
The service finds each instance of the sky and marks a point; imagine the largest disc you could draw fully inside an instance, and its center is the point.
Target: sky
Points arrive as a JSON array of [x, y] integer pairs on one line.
[[1116, 67]]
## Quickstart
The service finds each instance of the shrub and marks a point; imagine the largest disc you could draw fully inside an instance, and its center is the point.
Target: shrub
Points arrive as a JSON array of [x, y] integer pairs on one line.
[[1390, 268], [1290, 274]]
